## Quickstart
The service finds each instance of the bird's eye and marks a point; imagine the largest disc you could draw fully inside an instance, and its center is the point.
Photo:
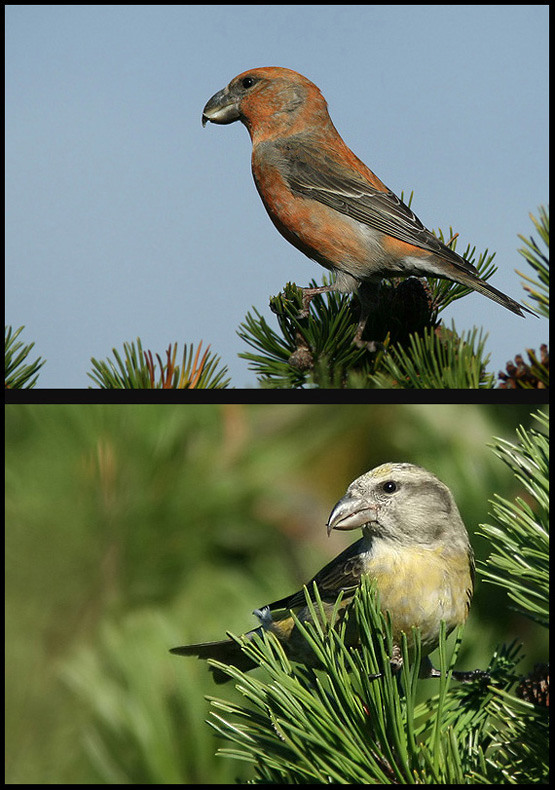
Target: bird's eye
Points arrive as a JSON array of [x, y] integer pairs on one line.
[[247, 82], [390, 487]]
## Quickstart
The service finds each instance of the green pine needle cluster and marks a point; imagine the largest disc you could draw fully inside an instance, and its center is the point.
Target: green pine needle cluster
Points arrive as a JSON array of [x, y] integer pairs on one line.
[[539, 261], [137, 369], [353, 720], [440, 359], [18, 374], [287, 358], [520, 532]]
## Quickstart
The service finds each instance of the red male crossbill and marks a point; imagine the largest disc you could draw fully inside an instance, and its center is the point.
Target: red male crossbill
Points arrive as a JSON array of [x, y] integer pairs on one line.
[[323, 199], [414, 546]]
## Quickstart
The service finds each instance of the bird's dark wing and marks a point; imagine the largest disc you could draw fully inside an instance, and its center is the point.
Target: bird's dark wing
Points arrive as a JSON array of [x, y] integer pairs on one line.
[[310, 172], [341, 574]]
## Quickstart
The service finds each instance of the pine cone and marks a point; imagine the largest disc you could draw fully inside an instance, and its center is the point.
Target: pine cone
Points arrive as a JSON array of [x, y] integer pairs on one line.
[[523, 375], [534, 687]]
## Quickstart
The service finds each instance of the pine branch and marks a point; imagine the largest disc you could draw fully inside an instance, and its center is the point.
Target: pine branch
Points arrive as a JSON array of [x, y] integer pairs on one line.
[[539, 261], [137, 370], [18, 375], [352, 720], [345, 723], [320, 345], [519, 536], [437, 359]]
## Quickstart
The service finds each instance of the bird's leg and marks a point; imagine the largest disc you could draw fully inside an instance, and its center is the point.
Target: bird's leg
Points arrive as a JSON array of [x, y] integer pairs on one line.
[[466, 676], [309, 294], [343, 282], [427, 670], [367, 294], [361, 326]]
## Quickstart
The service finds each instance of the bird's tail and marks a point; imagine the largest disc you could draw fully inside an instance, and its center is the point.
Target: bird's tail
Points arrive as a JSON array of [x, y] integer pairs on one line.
[[227, 651], [492, 293]]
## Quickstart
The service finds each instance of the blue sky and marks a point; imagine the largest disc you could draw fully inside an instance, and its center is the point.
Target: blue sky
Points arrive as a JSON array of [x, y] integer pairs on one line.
[[125, 218]]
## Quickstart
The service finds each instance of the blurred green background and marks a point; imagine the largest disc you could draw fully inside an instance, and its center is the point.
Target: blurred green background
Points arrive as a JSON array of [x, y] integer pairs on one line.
[[132, 529]]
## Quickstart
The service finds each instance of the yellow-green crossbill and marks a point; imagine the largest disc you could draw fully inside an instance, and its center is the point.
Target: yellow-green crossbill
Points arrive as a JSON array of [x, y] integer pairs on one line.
[[414, 546]]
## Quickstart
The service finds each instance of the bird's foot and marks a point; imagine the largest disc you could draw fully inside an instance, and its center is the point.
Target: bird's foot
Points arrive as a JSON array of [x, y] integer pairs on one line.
[[308, 296]]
